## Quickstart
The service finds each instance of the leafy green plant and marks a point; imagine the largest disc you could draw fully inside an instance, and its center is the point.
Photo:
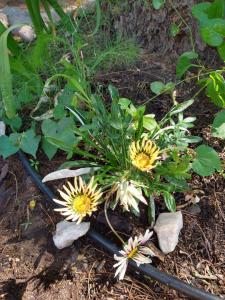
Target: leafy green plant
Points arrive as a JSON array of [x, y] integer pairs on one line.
[[212, 23]]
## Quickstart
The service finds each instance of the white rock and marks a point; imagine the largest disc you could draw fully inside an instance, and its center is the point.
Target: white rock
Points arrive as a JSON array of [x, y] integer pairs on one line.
[[168, 226], [26, 33], [2, 128], [4, 19], [67, 232]]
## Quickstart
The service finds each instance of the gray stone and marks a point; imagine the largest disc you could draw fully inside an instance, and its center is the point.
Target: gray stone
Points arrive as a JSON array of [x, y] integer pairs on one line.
[[4, 19], [17, 15], [167, 227], [194, 209], [67, 232]]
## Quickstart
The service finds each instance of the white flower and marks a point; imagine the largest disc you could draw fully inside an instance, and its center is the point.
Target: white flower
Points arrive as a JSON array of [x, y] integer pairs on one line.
[[128, 195], [134, 249]]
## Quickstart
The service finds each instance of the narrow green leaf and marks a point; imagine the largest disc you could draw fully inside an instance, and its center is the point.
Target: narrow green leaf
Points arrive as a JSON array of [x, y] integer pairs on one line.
[[169, 201], [6, 76]]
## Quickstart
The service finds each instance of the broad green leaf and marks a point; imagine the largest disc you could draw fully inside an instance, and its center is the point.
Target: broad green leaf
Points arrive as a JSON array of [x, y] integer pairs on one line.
[[26, 141], [6, 147], [157, 4], [149, 122], [207, 161], [124, 103], [60, 134], [184, 62], [157, 87], [48, 148], [216, 9], [199, 10], [213, 32], [215, 89], [221, 51], [30, 142], [218, 126], [174, 29], [169, 201]]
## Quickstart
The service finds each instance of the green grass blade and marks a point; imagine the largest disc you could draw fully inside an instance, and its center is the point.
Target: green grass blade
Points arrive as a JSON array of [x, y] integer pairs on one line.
[[12, 44], [33, 7], [6, 76], [64, 17], [98, 17]]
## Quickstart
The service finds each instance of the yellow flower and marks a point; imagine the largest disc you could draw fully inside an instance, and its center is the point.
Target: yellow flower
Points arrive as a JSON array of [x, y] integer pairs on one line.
[[143, 154], [80, 200]]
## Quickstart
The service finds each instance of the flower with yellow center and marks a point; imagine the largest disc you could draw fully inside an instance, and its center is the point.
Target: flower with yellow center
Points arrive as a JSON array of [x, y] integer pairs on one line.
[[143, 154], [136, 250], [79, 200]]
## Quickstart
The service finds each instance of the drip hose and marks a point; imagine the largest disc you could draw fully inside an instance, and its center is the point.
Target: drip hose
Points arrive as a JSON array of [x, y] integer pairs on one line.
[[145, 269]]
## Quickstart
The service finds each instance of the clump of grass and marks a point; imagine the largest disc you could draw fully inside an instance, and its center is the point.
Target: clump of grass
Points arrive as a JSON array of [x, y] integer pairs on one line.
[[114, 54]]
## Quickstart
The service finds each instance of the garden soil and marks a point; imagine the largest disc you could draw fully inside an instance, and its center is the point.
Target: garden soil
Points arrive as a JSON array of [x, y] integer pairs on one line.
[[31, 268]]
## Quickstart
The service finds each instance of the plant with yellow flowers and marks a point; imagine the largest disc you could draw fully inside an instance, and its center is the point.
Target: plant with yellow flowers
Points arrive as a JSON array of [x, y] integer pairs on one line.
[[133, 158]]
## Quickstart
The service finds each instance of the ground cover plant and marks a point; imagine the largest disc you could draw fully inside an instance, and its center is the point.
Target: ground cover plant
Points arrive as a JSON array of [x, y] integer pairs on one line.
[[126, 159]]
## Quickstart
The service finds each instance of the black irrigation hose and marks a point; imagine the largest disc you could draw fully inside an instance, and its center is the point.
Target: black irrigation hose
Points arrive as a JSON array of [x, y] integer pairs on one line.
[[148, 270]]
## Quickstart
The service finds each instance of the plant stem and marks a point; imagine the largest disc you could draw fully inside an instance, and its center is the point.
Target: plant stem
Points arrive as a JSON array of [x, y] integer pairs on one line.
[[108, 222]]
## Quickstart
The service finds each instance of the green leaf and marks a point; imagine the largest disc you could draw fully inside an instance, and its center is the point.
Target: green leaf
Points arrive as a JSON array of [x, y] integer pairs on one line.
[[199, 10], [184, 62], [60, 134], [29, 142], [14, 123], [59, 112], [114, 94], [26, 141], [181, 107], [78, 164], [221, 51], [149, 122], [157, 4], [157, 87], [207, 161], [6, 76], [213, 32], [169, 201], [216, 9], [215, 89], [151, 211], [218, 127], [6, 147], [48, 148], [174, 29]]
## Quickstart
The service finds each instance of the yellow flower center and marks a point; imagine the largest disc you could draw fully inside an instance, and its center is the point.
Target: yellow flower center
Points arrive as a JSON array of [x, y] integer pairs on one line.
[[142, 160], [82, 204], [133, 252]]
